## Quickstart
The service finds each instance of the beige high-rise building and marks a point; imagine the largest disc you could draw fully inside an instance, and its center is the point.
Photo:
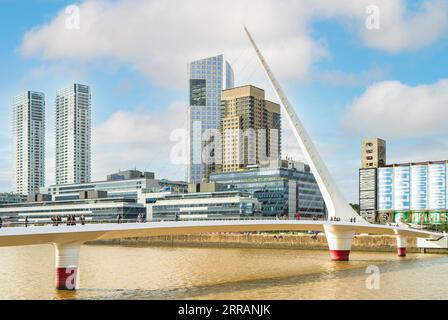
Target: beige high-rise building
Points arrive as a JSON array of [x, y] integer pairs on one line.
[[250, 128], [373, 153]]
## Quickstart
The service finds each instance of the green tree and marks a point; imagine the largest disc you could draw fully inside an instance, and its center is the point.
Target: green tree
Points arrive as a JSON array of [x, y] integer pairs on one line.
[[355, 207]]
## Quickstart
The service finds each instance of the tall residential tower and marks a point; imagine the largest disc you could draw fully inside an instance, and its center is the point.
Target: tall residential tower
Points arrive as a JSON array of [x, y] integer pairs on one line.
[[73, 134], [207, 78], [28, 132], [251, 128]]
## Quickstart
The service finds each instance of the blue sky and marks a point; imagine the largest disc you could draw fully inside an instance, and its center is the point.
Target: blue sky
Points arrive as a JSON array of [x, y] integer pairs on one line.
[[346, 81]]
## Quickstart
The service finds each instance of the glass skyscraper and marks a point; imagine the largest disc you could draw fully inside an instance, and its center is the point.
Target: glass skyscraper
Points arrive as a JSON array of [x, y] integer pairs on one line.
[[207, 78]]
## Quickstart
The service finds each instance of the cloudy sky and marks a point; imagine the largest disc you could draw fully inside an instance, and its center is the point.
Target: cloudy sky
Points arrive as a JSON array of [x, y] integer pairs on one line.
[[349, 74]]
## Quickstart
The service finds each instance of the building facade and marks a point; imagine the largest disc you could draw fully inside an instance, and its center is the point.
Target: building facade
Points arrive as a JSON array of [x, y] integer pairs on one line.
[[251, 128], [368, 193], [130, 174], [28, 134], [373, 156], [92, 209], [73, 134], [413, 193], [6, 197], [126, 184], [213, 205], [284, 188], [207, 78], [373, 153]]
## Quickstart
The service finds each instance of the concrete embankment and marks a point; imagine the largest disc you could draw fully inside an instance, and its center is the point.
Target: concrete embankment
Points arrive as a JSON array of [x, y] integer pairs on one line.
[[303, 241]]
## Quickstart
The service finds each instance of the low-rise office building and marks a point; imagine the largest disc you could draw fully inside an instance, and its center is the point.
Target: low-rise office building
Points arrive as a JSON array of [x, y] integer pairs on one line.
[[8, 197], [213, 205], [128, 184], [130, 174], [92, 209], [283, 188]]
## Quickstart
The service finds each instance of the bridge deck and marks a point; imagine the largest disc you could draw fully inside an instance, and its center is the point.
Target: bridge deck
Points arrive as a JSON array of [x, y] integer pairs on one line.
[[19, 236]]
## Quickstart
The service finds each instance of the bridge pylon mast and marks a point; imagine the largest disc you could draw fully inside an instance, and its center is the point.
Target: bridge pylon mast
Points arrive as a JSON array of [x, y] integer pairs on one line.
[[336, 204]]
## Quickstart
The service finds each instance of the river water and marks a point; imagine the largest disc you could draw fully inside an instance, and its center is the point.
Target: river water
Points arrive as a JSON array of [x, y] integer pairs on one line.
[[116, 272]]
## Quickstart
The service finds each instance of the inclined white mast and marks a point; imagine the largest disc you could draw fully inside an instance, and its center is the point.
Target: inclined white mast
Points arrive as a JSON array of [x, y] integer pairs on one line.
[[336, 204]]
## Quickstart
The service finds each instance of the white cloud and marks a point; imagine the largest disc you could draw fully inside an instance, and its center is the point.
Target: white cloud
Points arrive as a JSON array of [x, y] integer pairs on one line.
[[138, 139], [417, 150], [361, 79], [392, 109], [400, 29], [158, 37]]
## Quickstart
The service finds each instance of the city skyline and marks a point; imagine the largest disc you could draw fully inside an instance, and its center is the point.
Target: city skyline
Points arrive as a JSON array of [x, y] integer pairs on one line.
[[255, 150], [334, 90]]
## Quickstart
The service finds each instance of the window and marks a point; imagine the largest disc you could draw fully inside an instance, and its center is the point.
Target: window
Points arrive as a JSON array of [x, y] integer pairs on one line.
[[198, 92]]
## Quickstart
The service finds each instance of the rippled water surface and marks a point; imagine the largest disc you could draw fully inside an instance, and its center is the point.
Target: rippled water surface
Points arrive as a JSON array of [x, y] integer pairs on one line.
[[114, 272]]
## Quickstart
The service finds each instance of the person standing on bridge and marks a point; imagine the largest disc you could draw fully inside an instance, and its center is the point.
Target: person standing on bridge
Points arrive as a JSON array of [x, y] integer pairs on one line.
[[26, 222], [1, 222]]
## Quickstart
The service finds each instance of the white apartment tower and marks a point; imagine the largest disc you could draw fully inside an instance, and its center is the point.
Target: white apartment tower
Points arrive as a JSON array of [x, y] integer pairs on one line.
[[207, 78], [73, 134], [28, 132]]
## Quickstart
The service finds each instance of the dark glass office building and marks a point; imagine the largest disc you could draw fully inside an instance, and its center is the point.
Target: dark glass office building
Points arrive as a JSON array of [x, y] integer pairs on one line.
[[284, 188]]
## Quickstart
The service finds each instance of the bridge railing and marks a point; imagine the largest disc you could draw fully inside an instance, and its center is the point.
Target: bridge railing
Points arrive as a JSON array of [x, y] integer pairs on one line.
[[77, 222]]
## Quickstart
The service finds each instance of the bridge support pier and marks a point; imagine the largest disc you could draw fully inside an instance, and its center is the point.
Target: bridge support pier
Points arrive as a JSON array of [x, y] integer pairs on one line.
[[401, 246], [67, 261], [339, 242]]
